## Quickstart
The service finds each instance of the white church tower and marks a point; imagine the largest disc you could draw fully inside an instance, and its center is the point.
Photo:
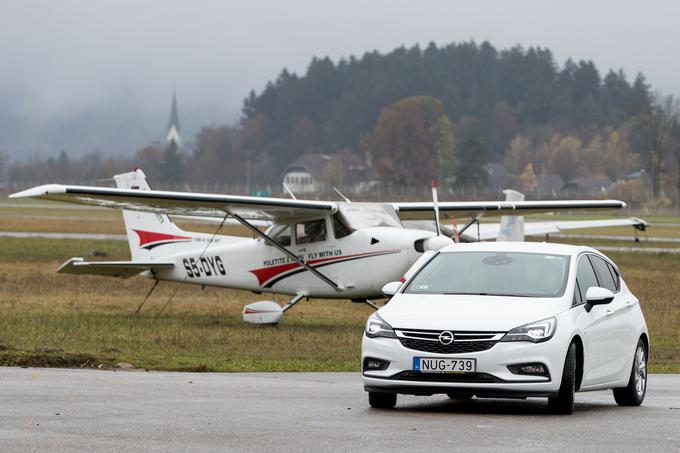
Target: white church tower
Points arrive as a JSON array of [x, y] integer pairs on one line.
[[173, 125]]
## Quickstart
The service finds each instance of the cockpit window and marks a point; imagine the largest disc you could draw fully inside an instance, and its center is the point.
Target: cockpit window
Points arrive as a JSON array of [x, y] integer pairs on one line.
[[340, 228], [281, 234], [312, 231], [365, 215]]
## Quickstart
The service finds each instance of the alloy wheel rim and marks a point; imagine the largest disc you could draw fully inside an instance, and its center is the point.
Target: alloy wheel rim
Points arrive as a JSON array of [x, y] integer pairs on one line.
[[640, 372]]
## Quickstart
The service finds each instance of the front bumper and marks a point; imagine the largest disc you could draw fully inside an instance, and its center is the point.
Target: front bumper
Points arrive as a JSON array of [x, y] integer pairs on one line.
[[493, 378]]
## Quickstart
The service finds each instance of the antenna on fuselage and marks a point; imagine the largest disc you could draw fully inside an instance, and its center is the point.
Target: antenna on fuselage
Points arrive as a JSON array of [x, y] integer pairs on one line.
[[290, 192], [341, 195]]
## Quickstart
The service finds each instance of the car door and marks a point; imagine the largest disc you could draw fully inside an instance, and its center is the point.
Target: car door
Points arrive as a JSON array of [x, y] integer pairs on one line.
[[594, 324], [620, 326]]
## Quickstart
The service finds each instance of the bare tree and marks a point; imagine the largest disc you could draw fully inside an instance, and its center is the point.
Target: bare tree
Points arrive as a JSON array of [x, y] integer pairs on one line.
[[3, 163], [653, 129]]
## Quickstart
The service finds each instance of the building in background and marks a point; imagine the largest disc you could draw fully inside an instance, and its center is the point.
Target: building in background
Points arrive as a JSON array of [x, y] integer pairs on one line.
[[313, 173]]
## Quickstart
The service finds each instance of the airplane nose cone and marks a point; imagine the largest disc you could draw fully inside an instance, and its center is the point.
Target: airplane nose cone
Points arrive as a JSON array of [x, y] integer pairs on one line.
[[436, 242]]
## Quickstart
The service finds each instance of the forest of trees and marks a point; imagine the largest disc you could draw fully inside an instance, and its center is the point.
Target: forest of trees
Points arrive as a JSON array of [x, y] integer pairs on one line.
[[416, 114]]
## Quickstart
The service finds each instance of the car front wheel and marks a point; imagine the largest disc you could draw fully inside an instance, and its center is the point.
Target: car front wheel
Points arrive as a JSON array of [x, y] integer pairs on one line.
[[563, 403], [634, 393], [382, 400]]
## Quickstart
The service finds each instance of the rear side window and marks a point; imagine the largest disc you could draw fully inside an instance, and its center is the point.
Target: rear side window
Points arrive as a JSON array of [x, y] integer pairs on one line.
[[585, 276], [615, 275], [604, 276]]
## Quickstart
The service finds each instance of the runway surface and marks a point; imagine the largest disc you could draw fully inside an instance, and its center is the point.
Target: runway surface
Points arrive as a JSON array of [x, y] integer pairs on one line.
[[89, 410]]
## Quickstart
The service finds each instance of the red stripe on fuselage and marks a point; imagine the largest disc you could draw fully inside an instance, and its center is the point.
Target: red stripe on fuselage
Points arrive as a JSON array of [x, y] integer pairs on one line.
[[149, 237], [267, 273]]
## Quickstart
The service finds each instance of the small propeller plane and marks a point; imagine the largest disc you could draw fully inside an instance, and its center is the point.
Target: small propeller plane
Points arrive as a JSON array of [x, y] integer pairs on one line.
[[321, 249]]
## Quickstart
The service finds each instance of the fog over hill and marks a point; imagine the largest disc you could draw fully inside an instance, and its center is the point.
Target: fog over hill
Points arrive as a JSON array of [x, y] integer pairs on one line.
[[83, 76]]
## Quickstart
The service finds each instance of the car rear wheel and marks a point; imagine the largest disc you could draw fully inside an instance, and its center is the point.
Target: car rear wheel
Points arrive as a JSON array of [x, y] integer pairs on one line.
[[563, 403], [382, 400], [634, 393], [460, 396]]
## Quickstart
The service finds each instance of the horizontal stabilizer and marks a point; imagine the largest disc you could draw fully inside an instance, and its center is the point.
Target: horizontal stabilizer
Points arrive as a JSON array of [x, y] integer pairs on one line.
[[121, 269]]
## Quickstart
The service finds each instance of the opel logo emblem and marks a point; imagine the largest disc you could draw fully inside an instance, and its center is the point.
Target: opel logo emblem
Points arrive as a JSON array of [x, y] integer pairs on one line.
[[446, 337]]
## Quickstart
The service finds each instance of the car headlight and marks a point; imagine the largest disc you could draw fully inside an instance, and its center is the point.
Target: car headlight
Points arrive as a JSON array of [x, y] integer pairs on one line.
[[377, 327], [535, 332]]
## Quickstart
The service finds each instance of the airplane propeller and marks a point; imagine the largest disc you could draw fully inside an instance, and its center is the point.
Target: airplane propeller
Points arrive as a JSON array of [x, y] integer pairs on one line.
[[439, 241]]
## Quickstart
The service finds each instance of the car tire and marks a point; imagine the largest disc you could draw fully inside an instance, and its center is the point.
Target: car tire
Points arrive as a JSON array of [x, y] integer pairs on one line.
[[379, 400], [563, 403], [460, 396], [634, 393]]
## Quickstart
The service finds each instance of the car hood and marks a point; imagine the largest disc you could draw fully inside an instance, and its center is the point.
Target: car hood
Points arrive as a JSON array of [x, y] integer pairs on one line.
[[463, 312]]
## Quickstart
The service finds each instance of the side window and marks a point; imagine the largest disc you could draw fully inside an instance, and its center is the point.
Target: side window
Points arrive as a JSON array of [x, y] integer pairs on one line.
[[312, 231], [340, 228], [603, 275], [615, 276], [585, 276], [281, 235]]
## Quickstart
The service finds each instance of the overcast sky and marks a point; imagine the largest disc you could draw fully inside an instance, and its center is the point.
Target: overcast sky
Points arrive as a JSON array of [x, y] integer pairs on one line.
[[85, 75]]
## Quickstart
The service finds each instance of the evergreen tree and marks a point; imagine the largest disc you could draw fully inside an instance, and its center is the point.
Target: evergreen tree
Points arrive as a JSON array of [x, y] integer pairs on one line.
[[472, 151], [171, 164]]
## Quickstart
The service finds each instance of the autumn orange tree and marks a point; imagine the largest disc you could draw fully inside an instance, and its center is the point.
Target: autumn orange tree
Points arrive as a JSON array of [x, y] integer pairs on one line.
[[412, 140]]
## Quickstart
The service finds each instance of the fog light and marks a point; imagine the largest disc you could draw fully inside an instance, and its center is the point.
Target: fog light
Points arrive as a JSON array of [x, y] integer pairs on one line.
[[371, 364], [530, 369]]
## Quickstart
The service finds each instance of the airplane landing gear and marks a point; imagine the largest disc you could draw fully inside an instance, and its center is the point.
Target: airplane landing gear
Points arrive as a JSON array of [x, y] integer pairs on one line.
[[268, 312]]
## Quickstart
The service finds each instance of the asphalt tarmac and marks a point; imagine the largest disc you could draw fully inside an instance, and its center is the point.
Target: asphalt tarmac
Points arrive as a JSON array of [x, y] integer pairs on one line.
[[60, 410]]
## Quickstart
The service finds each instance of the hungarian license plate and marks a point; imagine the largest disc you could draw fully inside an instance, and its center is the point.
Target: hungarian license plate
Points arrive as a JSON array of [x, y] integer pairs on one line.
[[441, 365]]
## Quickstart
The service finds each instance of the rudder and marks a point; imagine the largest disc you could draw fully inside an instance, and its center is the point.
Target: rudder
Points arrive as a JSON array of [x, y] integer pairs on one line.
[[146, 231]]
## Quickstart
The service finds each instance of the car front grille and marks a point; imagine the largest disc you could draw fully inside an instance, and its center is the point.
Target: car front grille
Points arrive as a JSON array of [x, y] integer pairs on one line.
[[481, 378], [464, 342]]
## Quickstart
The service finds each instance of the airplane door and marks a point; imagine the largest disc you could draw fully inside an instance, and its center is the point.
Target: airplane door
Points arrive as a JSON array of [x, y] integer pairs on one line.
[[313, 244]]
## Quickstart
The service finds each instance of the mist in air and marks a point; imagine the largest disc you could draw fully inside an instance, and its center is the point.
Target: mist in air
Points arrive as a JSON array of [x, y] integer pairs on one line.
[[84, 76]]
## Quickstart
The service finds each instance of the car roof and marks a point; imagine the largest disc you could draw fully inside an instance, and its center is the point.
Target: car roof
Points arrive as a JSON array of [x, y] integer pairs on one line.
[[527, 247]]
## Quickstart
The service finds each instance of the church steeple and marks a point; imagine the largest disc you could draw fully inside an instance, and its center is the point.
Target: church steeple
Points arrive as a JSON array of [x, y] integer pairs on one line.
[[173, 124]]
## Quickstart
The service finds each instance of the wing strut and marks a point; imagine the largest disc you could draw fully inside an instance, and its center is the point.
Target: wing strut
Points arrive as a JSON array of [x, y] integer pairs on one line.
[[287, 252], [471, 222]]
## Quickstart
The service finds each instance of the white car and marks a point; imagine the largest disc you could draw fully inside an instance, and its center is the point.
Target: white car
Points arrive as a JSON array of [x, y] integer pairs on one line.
[[511, 319]]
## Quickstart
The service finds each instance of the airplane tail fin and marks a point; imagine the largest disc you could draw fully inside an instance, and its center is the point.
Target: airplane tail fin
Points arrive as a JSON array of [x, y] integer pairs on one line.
[[149, 234], [512, 226]]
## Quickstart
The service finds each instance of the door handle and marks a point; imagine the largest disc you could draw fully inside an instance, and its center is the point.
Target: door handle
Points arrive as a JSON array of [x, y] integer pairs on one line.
[[609, 312], [629, 304]]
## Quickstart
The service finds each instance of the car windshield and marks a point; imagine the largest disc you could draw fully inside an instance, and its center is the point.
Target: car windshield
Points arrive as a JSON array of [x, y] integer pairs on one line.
[[494, 274]]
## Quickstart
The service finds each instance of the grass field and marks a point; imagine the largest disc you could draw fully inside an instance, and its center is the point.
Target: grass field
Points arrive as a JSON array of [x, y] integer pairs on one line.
[[57, 320]]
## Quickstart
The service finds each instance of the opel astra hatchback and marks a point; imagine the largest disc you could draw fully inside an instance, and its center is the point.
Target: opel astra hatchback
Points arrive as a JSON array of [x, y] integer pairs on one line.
[[508, 320]]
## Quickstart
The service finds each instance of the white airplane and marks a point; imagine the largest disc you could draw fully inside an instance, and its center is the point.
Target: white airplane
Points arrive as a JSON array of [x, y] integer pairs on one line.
[[321, 249]]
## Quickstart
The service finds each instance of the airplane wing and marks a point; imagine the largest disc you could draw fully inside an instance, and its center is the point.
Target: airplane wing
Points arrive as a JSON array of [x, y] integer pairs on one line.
[[488, 231], [121, 269], [182, 203], [218, 220], [425, 210], [280, 209]]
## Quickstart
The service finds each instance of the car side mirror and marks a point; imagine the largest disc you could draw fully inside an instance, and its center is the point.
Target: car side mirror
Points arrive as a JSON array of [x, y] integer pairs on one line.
[[391, 288], [598, 296]]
